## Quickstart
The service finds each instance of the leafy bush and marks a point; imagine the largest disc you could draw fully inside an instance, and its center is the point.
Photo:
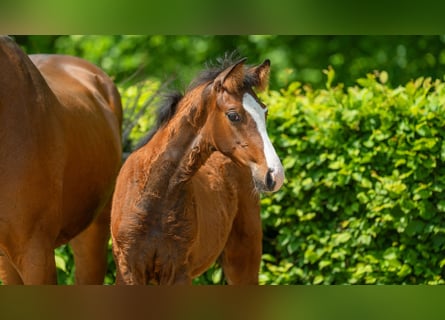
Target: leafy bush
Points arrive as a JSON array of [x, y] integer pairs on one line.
[[363, 202]]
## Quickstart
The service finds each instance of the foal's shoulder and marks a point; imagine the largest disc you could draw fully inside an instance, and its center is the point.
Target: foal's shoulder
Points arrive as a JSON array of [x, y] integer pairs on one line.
[[223, 167]]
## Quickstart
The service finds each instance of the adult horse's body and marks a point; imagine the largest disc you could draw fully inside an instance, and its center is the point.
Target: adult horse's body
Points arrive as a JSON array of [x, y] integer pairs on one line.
[[190, 194], [60, 152]]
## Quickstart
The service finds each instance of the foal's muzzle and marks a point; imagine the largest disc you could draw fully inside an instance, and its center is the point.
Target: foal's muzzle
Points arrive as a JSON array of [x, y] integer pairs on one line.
[[271, 181]]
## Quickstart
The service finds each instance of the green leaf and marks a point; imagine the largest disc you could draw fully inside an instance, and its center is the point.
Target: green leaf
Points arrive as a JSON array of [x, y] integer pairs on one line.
[[60, 263], [318, 279], [404, 271], [441, 206], [396, 187], [390, 254], [415, 227], [341, 238], [324, 263], [217, 275], [383, 77], [330, 76]]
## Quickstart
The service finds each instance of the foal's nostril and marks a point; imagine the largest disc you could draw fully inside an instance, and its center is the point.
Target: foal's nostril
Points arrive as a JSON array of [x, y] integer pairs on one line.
[[270, 182]]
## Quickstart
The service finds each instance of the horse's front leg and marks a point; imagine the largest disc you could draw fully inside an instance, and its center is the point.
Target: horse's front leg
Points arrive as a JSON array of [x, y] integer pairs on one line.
[[34, 260], [241, 257]]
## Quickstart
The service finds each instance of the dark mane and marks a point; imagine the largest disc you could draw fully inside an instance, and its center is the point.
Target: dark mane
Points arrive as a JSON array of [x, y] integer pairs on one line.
[[165, 112], [167, 108], [213, 69]]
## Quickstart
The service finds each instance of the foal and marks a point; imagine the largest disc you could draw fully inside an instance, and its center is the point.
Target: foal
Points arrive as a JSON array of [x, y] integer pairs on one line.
[[190, 194]]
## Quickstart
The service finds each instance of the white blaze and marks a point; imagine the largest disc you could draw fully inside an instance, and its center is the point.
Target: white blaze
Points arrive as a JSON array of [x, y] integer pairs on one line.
[[258, 115]]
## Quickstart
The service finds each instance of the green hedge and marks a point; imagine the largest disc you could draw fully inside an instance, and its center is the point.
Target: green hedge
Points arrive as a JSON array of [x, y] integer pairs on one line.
[[364, 201]]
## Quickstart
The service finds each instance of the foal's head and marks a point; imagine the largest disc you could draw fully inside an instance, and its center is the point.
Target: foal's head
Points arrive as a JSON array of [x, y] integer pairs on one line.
[[236, 122]]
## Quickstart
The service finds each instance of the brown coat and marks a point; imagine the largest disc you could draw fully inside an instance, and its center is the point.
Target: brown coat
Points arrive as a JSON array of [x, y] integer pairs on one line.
[[190, 194], [60, 151]]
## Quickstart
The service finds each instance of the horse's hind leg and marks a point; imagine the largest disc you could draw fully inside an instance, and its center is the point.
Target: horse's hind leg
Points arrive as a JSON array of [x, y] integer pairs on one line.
[[90, 250], [8, 274], [241, 257]]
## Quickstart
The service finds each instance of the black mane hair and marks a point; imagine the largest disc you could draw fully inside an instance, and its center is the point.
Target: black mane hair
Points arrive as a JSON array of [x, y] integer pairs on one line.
[[213, 69], [167, 108], [164, 113]]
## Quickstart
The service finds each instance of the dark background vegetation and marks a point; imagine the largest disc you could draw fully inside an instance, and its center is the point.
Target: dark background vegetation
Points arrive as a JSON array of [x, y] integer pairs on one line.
[[294, 58], [358, 123]]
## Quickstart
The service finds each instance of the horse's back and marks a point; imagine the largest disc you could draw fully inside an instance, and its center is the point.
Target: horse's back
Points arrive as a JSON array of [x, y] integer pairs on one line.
[[90, 106], [81, 76]]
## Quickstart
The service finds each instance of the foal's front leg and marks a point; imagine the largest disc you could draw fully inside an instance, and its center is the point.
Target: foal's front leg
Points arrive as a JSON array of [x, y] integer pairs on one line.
[[241, 257], [142, 264]]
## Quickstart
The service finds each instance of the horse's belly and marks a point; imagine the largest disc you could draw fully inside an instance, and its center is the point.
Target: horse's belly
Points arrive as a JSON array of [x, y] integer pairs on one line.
[[82, 202], [87, 184]]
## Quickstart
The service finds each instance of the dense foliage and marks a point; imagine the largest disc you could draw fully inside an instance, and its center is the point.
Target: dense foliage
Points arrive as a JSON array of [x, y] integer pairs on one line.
[[294, 58], [364, 150], [364, 198]]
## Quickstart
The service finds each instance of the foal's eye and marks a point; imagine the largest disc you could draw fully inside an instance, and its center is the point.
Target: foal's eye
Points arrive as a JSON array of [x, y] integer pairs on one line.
[[233, 116]]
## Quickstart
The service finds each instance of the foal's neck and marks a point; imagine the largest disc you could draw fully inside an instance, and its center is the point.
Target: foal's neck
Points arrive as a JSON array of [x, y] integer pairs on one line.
[[177, 150]]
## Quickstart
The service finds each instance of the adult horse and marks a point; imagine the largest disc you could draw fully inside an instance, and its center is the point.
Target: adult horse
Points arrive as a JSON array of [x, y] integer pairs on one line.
[[60, 152], [191, 193]]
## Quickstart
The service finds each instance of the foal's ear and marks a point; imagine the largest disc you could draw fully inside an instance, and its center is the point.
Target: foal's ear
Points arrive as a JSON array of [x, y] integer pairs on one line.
[[261, 74], [231, 78]]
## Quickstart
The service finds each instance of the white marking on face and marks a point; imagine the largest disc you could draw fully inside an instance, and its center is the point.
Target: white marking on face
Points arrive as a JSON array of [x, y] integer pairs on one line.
[[258, 115]]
